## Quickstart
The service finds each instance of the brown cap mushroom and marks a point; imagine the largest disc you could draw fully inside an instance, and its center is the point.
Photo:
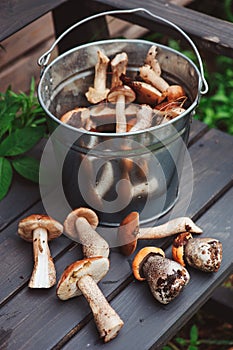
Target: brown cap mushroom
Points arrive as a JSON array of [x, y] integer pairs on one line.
[[78, 118], [166, 278], [99, 92], [40, 229], [121, 95], [82, 277], [80, 225], [145, 93], [204, 253], [129, 231]]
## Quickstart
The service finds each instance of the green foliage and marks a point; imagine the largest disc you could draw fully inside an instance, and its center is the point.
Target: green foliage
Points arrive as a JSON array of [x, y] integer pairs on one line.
[[194, 342], [22, 125]]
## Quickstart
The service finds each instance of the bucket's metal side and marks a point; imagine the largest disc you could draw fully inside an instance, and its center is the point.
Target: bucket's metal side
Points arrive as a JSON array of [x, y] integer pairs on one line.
[[152, 186]]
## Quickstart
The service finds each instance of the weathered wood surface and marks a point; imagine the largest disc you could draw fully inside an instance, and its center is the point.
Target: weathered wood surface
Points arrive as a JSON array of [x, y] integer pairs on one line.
[[51, 323]]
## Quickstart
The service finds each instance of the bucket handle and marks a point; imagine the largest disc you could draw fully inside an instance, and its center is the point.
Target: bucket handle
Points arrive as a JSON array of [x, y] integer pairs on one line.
[[43, 60]]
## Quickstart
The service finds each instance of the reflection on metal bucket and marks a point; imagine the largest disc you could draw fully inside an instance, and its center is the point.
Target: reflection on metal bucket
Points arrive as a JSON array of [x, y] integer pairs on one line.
[[111, 173]]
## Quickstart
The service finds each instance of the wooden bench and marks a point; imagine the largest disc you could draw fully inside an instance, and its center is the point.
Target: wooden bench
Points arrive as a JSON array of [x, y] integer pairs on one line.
[[36, 318]]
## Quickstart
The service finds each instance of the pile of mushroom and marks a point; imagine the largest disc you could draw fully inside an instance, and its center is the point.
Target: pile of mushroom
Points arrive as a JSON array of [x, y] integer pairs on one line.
[[157, 101], [166, 278]]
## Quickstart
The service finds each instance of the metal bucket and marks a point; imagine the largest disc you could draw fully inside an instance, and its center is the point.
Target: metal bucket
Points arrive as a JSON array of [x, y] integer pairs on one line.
[[94, 164]]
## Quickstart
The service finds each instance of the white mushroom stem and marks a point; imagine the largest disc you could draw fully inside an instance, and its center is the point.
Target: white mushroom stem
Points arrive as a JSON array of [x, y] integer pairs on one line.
[[99, 92], [172, 227], [145, 188], [93, 244], [107, 320], [44, 273], [144, 118], [151, 77], [121, 123], [118, 65], [152, 60], [105, 181]]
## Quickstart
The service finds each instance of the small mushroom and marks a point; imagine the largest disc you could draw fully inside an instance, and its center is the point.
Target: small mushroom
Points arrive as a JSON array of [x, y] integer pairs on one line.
[[129, 231], [118, 66], [99, 92], [121, 95], [40, 229], [203, 253], [80, 225], [82, 277], [144, 118], [152, 61], [166, 278]]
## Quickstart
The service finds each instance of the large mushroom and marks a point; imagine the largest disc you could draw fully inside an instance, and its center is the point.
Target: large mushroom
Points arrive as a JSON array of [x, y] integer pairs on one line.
[[144, 118], [166, 278], [78, 117], [82, 277], [99, 92], [40, 229], [129, 231], [203, 253], [80, 225]]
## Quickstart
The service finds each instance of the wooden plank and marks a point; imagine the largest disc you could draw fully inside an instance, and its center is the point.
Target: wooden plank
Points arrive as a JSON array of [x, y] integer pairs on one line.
[[210, 33], [15, 15], [68, 318], [25, 40], [150, 324], [14, 207], [19, 74]]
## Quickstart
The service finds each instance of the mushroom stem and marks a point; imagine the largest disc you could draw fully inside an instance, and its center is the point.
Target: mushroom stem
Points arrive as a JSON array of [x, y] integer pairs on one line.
[[144, 118], [121, 123], [107, 320], [172, 227], [93, 244], [145, 188], [44, 273], [106, 180]]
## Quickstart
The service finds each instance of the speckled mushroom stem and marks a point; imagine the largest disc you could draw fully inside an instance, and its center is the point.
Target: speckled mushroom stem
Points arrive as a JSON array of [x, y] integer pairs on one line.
[[121, 123], [107, 320], [44, 273], [172, 227], [93, 244], [106, 180]]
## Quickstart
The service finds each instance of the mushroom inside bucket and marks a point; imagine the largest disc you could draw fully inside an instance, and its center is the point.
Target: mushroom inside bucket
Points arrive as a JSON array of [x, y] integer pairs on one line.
[[144, 166]]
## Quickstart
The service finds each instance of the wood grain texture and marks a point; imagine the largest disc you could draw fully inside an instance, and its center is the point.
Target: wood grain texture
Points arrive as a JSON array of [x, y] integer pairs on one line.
[[57, 321], [149, 324], [208, 32]]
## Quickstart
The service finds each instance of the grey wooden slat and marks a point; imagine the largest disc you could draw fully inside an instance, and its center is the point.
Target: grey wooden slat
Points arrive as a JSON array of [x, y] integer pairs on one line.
[[120, 267], [23, 250], [149, 324], [209, 32]]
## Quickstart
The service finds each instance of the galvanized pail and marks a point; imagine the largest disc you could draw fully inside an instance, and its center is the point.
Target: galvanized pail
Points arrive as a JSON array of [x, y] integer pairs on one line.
[[112, 173]]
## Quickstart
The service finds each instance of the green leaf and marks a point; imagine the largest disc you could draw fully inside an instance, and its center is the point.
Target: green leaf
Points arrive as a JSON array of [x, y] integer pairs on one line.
[[21, 140], [180, 341], [193, 334], [192, 347], [5, 176], [27, 167]]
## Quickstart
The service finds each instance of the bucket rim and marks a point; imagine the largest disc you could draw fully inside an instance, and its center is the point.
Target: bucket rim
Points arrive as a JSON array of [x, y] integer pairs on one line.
[[189, 110]]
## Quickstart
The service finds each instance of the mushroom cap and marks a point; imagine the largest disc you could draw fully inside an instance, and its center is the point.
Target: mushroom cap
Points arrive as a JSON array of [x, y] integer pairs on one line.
[[96, 267], [141, 257], [30, 223], [127, 233], [82, 212], [119, 91], [204, 253], [174, 92], [178, 247], [76, 117]]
